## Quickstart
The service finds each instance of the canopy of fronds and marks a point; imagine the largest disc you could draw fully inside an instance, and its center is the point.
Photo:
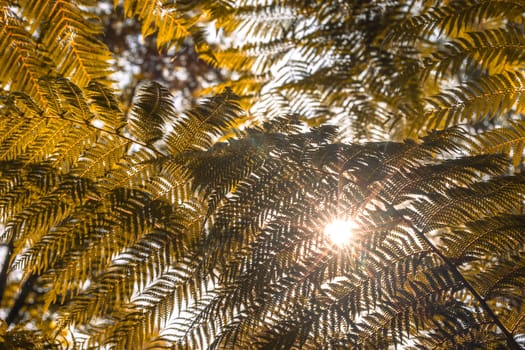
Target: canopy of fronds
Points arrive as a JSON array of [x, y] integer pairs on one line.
[[146, 227]]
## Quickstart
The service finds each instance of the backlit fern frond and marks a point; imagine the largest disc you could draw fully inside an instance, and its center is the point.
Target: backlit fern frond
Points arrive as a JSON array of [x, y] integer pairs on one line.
[[99, 203], [23, 60], [326, 63], [173, 22], [61, 133], [154, 228], [315, 58], [472, 58], [237, 257], [453, 18], [201, 127], [475, 101], [494, 51], [68, 34], [105, 106], [277, 281], [509, 140], [150, 111]]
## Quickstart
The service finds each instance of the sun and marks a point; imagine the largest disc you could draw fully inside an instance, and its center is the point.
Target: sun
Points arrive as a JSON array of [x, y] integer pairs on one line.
[[340, 232]]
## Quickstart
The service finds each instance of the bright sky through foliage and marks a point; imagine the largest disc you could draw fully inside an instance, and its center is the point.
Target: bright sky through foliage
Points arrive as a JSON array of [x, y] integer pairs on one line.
[[340, 232]]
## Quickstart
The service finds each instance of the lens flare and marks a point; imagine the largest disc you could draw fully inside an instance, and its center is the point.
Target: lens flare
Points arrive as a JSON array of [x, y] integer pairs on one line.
[[340, 232]]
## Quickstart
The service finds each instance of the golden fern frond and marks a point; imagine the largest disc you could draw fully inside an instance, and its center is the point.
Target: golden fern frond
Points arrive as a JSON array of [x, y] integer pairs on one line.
[[475, 202], [502, 281], [174, 22], [68, 34], [218, 171], [14, 194], [327, 74], [474, 42], [266, 253], [483, 99], [114, 217], [434, 178], [515, 322], [148, 309], [254, 258], [470, 332], [202, 126], [453, 18], [61, 133], [152, 108], [48, 243], [509, 140], [105, 106], [203, 239], [477, 243], [132, 272], [58, 196], [494, 51], [106, 233], [23, 60]]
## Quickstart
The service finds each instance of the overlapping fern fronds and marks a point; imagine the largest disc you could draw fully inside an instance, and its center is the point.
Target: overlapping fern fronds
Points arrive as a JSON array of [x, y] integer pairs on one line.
[[322, 61], [370, 66], [154, 228]]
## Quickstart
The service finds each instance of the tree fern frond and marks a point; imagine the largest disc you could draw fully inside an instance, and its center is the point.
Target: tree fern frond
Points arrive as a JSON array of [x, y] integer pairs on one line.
[[37, 218], [437, 178], [494, 51], [105, 106], [72, 97], [23, 137], [134, 269], [23, 60], [147, 227], [61, 133], [453, 18], [477, 239], [109, 231], [516, 322], [173, 22], [69, 35], [202, 125], [152, 108], [479, 200], [467, 335], [509, 140], [476, 101], [502, 281], [147, 309]]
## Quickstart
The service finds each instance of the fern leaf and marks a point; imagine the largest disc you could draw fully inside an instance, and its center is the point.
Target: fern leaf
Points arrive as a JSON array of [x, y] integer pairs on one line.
[[476, 101], [509, 140], [494, 51], [152, 107], [68, 33]]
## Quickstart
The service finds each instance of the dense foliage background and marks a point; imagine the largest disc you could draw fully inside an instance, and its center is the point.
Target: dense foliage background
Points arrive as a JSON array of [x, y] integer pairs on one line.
[[168, 168]]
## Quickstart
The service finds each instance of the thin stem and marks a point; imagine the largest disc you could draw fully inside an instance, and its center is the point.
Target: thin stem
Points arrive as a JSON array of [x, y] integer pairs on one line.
[[511, 342], [4, 269], [20, 301], [111, 132]]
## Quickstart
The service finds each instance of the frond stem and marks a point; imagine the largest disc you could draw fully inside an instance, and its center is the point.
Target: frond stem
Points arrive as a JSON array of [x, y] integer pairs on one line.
[[26, 288], [511, 342], [112, 132], [4, 269]]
